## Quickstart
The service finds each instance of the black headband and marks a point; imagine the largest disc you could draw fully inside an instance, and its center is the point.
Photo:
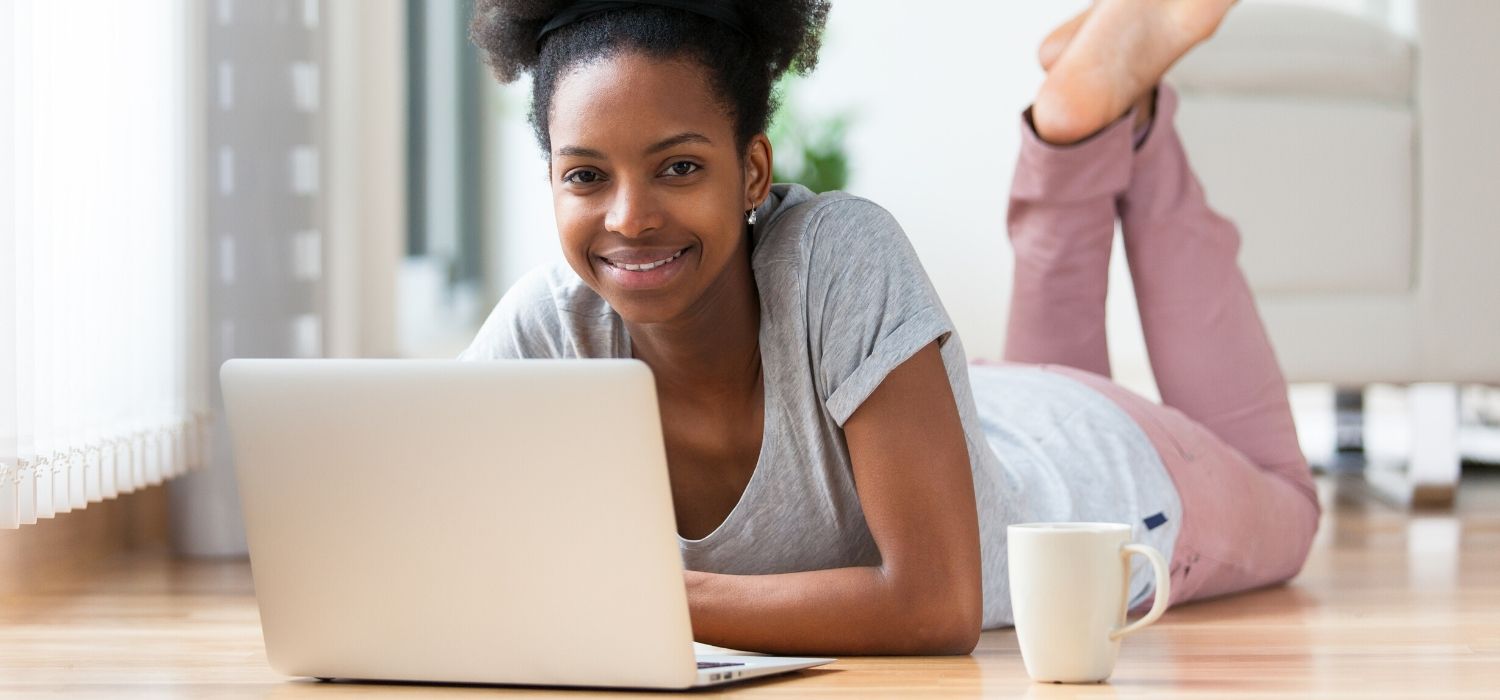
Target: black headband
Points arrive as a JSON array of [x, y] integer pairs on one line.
[[722, 11]]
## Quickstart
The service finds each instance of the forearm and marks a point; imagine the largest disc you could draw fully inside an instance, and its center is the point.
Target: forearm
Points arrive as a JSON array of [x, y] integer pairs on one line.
[[850, 611], [912, 471]]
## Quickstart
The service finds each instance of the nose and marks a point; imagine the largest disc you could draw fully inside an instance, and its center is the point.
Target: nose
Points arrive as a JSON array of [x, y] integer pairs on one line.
[[634, 211]]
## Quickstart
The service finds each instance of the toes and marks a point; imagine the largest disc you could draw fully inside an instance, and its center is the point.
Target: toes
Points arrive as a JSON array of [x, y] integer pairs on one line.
[[1052, 46], [1047, 53]]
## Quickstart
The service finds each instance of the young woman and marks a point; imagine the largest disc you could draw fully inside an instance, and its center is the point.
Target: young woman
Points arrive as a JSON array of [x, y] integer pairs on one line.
[[842, 477]]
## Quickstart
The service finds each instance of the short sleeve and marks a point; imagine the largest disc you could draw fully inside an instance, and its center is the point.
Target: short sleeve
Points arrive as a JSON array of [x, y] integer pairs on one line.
[[524, 325], [871, 306]]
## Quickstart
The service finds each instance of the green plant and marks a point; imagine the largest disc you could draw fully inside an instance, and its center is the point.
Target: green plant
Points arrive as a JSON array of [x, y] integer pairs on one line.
[[808, 151]]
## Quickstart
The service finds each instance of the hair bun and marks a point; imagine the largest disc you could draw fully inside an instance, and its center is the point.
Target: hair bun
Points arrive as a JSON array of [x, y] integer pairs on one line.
[[785, 33], [742, 63]]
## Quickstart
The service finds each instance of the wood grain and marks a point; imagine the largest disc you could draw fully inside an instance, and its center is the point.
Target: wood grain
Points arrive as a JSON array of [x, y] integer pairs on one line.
[[1391, 604], [70, 545]]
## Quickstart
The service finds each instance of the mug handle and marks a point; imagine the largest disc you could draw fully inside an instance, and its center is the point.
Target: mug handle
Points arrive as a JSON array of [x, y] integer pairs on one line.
[[1163, 587]]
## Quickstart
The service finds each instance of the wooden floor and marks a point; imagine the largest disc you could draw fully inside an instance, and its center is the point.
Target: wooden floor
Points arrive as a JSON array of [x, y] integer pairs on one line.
[[1391, 604]]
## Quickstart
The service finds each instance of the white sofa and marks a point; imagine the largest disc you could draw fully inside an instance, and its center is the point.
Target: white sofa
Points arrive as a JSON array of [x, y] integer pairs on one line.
[[1362, 165]]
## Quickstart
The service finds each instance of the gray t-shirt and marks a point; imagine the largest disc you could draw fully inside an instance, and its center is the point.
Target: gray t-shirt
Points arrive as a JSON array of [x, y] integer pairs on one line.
[[843, 301]]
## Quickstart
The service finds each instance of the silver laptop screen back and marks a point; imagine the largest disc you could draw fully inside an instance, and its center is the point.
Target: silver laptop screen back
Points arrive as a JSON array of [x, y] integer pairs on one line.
[[460, 522]]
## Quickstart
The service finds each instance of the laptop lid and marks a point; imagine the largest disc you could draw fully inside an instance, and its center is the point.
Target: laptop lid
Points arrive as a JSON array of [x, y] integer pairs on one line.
[[437, 520]]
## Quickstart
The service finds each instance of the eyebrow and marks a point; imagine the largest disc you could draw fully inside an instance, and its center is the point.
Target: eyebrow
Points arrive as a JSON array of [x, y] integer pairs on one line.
[[662, 145]]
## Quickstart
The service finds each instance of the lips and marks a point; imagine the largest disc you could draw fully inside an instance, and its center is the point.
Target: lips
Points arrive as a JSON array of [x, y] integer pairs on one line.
[[641, 256], [641, 261], [642, 269]]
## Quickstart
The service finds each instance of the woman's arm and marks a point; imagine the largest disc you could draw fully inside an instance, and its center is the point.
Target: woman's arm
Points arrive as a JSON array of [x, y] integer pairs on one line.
[[912, 473]]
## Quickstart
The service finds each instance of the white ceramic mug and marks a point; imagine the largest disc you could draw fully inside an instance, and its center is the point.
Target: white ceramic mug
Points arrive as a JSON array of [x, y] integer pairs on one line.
[[1068, 588]]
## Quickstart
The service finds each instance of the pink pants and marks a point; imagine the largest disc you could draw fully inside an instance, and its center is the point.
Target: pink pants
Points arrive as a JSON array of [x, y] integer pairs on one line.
[[1225, 433]]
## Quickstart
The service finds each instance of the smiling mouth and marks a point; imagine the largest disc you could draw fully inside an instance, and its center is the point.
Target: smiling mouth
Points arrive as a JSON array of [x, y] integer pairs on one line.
[[642, 267]]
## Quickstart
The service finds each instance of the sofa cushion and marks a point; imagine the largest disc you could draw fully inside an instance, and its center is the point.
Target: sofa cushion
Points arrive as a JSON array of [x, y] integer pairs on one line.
[[1321, 190], [1282, 50]]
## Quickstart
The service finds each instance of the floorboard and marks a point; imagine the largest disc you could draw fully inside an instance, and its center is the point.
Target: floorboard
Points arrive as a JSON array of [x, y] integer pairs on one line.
[[1391, 604]]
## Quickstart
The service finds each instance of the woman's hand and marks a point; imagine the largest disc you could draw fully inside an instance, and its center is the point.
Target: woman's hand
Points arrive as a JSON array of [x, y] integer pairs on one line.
[[912, 473]]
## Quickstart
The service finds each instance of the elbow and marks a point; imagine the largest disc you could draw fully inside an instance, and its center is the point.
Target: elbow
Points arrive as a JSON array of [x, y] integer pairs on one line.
[[956, 636], [944, 621], [938, 603], [966, 638], [941, 633]]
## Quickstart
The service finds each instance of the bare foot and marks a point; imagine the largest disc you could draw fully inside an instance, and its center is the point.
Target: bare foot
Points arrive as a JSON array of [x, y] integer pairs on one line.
[[1119, 52], [1052, 48]]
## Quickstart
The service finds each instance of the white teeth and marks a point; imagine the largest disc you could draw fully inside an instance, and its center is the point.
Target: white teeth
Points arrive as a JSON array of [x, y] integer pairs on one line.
[[650, 265]]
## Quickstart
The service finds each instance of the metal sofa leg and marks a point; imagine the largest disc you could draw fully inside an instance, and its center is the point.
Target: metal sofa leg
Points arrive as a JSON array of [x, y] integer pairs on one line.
[[1349, 430]]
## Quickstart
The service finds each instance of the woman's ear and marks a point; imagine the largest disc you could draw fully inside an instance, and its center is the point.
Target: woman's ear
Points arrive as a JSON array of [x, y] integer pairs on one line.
[[757, 170]]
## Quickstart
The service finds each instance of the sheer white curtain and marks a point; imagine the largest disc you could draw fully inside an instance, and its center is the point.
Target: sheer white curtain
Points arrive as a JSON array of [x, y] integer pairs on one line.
[[101, 370]]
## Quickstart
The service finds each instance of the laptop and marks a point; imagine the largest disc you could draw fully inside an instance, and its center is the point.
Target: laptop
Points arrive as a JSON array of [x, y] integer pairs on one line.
[[503, 522]]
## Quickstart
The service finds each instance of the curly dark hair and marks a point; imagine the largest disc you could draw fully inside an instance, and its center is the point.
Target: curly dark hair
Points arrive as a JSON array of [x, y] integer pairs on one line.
[[780, 35]]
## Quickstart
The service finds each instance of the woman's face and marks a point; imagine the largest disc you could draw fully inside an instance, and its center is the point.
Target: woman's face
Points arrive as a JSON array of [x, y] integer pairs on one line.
[[649, 191]]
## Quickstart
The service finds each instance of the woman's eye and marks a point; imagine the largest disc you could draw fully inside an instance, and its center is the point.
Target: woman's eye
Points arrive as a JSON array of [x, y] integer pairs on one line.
[[582, 177], [682, 167]]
